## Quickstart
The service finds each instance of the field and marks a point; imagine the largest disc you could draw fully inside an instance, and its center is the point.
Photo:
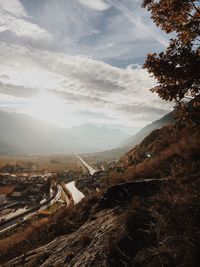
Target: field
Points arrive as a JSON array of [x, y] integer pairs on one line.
[[52, 163]]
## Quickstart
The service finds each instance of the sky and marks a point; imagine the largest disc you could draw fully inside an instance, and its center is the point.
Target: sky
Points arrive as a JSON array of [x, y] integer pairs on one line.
[[71, 62]]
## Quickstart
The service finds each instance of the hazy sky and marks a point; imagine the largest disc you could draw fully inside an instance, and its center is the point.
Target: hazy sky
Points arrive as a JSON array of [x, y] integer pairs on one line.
[[77, 61]]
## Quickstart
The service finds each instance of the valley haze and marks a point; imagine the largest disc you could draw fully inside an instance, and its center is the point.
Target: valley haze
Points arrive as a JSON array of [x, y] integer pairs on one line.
[[99, 133]]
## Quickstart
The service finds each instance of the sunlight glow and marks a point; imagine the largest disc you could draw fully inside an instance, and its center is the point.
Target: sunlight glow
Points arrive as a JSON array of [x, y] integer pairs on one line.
[[48, 107]]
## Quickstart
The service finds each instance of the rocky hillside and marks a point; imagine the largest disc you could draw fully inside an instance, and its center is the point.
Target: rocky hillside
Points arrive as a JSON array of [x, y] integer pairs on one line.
[[151, 146], [146, 215]]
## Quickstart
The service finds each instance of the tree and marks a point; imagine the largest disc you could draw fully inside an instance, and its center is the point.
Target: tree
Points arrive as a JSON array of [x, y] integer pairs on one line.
[[177, 69]]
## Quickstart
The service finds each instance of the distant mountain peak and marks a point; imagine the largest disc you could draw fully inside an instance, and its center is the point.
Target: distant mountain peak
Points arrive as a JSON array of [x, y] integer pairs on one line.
[[33, 136]]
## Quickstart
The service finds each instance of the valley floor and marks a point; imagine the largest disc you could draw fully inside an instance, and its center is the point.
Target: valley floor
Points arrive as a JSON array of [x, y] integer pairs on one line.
[[146, 215]]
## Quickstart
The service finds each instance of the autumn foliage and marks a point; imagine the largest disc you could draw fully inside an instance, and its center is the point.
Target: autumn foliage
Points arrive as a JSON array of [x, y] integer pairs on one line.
[[177, 69]]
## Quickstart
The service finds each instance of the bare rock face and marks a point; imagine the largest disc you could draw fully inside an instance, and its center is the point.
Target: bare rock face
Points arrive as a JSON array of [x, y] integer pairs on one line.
[[88, 246], [121, 193]]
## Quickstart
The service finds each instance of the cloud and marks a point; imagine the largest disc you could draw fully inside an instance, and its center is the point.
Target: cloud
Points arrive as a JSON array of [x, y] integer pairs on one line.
[[16, 90], [138, 19], [80, 51], [83, 82], [14, 7], [14, 19], [98, 5], [122, 35], [5, 77]]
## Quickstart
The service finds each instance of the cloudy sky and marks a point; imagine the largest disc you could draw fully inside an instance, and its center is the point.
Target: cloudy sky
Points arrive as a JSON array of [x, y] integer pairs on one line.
[[71, 62]]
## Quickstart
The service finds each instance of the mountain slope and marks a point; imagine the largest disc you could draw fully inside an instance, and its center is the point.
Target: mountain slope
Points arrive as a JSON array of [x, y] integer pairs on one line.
[[6, 148], [35, 136], [138, 137], [32, 136], [100, 137], [147, 215]]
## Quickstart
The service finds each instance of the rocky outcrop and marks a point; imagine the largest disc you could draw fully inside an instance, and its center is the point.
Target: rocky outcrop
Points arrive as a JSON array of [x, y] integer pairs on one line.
[[122, 193], [88, 246]]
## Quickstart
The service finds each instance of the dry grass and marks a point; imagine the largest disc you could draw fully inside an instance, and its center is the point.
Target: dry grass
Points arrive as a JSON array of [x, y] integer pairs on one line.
[[163, 230], [160, 230], [167, 161], [51, 163], [6, 190], [65, 221]]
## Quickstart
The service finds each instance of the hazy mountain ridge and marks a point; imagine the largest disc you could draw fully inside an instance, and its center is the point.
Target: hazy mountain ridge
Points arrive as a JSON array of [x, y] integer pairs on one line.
[[144, 132], [31, 136], [134, 140], [6, 148], [98, 135]]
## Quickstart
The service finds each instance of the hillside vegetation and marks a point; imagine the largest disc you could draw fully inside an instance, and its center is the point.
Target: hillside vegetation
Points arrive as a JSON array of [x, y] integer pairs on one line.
[[147, 213], [153, 226]]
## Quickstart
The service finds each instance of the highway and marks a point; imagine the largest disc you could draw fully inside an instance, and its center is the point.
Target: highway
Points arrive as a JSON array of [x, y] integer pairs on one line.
[[28, 213], [24, 214], [91, 170], [57, 196]]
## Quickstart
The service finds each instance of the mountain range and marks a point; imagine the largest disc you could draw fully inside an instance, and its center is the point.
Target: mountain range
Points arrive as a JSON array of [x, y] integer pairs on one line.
[[21, 133], [139, 136], [134, 140]]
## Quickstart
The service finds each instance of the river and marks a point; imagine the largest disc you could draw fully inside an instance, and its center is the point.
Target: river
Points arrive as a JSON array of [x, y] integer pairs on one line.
[[76, 194]]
